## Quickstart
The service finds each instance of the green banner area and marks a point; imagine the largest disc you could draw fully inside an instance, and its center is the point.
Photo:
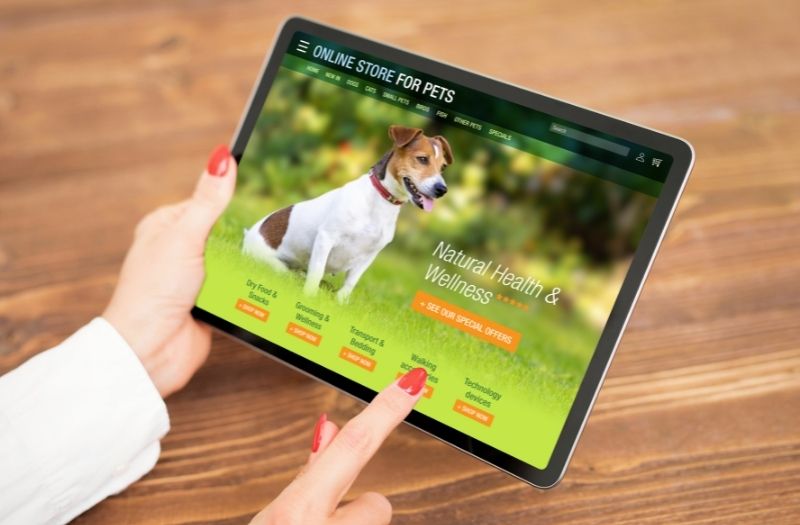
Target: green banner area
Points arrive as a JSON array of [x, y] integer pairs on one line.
[[482, 128], [500, 288]]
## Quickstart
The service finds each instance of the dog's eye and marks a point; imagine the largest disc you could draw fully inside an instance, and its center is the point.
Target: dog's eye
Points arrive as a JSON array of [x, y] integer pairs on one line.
[[423, 160]]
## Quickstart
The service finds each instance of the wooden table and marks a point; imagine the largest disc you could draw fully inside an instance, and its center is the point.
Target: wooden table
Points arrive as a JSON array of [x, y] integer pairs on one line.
[[109, 107]]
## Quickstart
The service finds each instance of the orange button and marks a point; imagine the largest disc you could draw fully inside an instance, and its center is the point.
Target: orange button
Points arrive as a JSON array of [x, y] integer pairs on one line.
[[466, 321], [251, 309], [303, 333], [357, 359], [481, 416], [427, 390]]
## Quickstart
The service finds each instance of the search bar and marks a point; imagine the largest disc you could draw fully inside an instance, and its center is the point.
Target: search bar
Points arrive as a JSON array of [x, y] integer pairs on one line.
[[592, 140]]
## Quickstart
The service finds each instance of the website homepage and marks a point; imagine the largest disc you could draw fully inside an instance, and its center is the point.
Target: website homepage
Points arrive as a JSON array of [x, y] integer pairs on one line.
[[385, 219]]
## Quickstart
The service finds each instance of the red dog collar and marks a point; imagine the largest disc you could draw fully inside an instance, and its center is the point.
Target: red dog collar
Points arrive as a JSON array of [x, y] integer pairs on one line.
[[382, 189]]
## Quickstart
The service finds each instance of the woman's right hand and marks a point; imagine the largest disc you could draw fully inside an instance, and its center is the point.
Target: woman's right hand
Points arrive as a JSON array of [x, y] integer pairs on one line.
[[337, 457]]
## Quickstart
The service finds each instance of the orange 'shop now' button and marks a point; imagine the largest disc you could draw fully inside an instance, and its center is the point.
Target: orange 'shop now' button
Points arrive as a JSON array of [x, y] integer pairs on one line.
[[303, 333], [466, 321], [357, 359], [473, 412], [252, 310]]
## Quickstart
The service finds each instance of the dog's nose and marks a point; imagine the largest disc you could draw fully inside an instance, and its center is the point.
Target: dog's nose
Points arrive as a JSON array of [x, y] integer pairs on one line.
[[439, 189]]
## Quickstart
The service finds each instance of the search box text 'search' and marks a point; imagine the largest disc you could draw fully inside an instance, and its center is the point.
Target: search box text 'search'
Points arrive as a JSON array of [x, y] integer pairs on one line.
[[592, 140]]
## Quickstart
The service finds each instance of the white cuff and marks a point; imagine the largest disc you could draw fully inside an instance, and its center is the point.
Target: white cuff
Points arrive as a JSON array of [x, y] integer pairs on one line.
[[78, 423]]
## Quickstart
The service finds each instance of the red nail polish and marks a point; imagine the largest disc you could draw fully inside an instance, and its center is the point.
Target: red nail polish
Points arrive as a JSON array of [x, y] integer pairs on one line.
[[413, 381], [318, 432], [218, 161]]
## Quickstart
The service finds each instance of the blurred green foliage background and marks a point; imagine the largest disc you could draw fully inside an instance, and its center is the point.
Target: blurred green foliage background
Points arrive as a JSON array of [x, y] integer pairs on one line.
[[503, 204], [568, 229]]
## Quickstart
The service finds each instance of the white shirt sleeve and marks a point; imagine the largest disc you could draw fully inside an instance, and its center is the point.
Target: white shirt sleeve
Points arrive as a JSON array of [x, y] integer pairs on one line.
[[78, 423]]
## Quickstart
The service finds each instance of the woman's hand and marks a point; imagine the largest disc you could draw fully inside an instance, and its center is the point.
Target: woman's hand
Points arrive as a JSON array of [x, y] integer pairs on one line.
[[158, 284], [337, 457], [162, 275]]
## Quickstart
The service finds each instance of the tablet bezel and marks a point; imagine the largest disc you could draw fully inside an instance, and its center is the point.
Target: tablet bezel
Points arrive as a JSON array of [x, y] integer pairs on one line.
[[683, 158]]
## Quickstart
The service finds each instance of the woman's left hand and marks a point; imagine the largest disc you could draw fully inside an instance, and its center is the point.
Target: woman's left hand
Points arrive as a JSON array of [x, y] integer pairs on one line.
[[162, 275]]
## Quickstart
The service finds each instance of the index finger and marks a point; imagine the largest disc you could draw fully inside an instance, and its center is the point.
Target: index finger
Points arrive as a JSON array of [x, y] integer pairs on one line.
[[336, 468]]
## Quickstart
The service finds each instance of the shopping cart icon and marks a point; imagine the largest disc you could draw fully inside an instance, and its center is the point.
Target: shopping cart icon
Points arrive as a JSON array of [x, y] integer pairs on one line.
[[656, 162]]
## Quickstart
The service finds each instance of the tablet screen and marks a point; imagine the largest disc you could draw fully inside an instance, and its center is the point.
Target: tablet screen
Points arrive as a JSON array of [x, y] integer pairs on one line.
[[386, 219]]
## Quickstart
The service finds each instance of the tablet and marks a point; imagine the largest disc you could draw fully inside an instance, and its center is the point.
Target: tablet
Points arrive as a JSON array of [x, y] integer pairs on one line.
[[394, 212]]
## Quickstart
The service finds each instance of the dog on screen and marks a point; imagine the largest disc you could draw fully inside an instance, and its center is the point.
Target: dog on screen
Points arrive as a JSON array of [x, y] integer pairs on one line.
[[344, 229]]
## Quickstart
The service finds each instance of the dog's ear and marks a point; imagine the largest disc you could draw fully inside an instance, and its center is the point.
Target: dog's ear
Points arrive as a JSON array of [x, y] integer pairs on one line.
[[448, 153], [402, 136]]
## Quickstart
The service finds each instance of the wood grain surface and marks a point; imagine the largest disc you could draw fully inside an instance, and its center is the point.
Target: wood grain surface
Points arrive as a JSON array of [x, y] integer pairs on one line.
[[109, 107]]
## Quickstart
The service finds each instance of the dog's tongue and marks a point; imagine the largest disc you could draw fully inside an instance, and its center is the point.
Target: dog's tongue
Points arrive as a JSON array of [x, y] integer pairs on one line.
[[427, 203]]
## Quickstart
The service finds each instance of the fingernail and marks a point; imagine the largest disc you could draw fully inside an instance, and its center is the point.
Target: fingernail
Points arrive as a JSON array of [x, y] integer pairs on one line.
[[413, 381], [318, 432], [218, 161]]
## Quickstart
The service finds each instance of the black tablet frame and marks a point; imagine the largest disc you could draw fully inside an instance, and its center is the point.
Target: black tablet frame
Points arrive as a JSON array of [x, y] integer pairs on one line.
[[683, 159]]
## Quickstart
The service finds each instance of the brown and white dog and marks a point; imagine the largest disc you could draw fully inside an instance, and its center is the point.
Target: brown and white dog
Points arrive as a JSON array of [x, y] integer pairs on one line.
[[344, 229]]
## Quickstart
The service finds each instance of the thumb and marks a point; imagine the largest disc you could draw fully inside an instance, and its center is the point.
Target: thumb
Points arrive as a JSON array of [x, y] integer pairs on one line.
[[370, 508], [211, 195]]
